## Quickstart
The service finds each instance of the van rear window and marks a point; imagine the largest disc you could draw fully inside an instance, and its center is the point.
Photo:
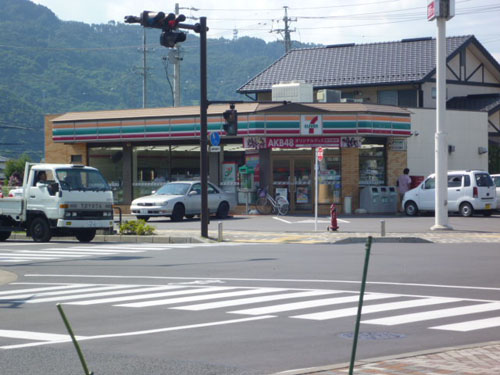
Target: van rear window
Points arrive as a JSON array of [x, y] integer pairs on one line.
[[484, 180]]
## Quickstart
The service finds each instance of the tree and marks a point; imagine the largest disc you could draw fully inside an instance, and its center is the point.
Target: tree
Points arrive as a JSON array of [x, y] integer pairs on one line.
[[16, 165]]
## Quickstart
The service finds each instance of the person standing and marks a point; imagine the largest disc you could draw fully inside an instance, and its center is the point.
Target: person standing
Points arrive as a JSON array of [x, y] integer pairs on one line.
[[403, 183]]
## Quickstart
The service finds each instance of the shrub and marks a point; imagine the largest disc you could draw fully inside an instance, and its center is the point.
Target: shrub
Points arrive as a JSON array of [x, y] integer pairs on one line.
[[138, 227]]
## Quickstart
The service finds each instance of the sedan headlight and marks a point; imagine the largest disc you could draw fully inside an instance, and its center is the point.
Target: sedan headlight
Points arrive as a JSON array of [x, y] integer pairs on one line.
[[164, 203]]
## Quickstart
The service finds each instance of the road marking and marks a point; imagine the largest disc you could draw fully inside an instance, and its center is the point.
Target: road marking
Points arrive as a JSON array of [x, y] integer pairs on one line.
[[38, 296], [77, 250], [341, 313], [62, 286], [144, 332], [171, 301], [315, 281], [153, 295], [309, 304], [246, 301], [471, 325], [29, 335], [280, 219], [435, 314]]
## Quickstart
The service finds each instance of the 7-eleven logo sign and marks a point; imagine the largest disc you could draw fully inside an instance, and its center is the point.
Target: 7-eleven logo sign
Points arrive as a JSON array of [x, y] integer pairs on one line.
[[311, 124]]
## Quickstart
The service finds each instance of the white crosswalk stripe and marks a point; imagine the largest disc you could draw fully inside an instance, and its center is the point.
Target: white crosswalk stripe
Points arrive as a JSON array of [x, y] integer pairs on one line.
[[199, 297], [14, 255]]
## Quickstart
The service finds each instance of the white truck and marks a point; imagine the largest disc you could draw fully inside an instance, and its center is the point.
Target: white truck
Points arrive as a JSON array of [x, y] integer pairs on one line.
[[58, 200]]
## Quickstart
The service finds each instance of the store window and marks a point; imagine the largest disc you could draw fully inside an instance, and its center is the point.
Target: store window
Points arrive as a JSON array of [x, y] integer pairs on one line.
[[329, 178], [372, 165], [109, 161]]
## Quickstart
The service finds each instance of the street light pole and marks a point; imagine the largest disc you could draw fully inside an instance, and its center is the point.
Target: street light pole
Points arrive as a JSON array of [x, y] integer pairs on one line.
[[441, 11]]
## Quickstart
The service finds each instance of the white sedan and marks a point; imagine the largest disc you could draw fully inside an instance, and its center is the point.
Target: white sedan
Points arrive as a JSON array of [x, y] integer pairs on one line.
[[182, 198]]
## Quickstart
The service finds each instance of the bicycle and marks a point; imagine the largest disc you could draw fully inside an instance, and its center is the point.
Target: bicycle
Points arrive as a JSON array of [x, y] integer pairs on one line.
[[266, 204]]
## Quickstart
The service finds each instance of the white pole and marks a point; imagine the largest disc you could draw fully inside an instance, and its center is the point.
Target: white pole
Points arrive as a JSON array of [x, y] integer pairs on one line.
[[315, 189], [441, 144]]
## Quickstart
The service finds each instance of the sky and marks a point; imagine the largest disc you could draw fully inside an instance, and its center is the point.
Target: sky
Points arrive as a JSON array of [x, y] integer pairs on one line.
[[315, 21]]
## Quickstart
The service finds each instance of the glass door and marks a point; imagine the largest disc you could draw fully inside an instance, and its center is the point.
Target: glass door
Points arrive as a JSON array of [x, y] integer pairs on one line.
[[292, 178]]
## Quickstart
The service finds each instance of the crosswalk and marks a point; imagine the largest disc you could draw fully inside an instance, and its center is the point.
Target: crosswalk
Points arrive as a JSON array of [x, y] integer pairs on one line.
[[382, 309], [9, 254]]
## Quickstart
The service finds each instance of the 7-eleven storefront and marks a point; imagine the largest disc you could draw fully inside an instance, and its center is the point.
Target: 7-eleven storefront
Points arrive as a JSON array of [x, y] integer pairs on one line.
[[139, 150]]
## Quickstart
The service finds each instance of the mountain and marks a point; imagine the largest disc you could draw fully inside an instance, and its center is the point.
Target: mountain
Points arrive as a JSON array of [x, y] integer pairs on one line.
[[52, 66]]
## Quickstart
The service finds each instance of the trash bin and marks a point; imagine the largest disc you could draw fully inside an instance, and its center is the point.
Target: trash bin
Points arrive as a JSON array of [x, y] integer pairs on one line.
[[379, 199]]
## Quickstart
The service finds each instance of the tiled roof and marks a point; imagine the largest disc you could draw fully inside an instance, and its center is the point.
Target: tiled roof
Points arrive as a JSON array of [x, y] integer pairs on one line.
[[409, 60], [483, 102]]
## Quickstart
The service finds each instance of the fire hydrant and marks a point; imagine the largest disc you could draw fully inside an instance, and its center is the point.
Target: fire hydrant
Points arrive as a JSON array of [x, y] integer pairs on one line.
[[333, 218]]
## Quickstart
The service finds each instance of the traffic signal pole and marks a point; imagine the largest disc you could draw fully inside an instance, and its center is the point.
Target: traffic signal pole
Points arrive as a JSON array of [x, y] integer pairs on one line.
[[203, 127]]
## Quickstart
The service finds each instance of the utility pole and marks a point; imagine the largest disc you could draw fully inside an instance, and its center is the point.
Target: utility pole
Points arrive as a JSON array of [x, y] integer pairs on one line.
[[286, 31], [177, 69], [144, 70]]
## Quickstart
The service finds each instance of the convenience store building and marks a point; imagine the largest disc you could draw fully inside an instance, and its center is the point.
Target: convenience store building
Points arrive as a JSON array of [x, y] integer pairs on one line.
[[139, 150]]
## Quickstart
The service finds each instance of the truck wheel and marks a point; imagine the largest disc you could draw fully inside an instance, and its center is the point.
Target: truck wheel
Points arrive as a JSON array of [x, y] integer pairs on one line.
[[85, 235], [40, 230], [4, 236]]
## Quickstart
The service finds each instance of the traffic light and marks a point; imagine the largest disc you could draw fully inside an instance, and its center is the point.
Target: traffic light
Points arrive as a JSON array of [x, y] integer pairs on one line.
[[170, 35], [231, 124]]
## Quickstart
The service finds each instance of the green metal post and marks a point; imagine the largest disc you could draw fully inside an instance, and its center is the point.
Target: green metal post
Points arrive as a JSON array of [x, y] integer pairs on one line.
[[77, 347], [360, 305]]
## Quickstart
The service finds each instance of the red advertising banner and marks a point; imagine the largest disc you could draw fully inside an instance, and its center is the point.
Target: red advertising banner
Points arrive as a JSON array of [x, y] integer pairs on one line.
[[297, 142]]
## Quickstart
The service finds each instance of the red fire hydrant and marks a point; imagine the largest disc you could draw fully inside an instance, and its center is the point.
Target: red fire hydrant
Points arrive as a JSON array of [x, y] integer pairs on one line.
[[333, 218]]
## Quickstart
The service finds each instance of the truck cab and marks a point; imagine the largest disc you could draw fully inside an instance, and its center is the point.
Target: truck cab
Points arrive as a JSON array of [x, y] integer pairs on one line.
[[59, 200]]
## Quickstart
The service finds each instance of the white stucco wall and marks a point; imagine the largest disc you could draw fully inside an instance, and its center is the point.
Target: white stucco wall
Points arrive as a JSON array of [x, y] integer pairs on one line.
[[466, 130]]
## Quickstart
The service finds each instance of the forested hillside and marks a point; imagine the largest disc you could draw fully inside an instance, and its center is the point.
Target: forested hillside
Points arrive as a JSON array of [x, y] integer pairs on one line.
[[53, 66]]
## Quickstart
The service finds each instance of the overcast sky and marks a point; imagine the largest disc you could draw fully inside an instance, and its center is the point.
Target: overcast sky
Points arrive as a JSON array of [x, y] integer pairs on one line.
[[314, 21]]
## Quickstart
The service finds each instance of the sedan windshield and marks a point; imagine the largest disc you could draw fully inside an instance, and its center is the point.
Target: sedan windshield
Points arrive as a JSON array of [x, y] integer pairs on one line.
[[173, 189]]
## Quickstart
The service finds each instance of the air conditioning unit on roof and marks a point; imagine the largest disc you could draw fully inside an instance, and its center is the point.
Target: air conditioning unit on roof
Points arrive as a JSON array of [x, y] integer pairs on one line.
[[297, 92]]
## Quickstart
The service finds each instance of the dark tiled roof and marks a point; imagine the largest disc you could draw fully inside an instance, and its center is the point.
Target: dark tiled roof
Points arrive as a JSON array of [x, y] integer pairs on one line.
[[408, 60], [485, 102]]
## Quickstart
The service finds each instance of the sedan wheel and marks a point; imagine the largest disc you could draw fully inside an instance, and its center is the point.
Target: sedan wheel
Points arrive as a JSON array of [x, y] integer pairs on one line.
[[223, 210], [178, 212]]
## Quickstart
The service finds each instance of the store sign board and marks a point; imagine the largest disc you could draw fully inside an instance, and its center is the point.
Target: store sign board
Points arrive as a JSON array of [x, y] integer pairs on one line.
[[320, 153], [290, 142], [311, 124]]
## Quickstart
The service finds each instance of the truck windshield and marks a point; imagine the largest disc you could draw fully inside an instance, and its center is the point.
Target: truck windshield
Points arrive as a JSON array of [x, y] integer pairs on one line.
[[81, 179]]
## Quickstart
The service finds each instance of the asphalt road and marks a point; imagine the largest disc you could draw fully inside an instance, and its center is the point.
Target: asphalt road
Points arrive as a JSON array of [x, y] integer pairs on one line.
[[351, 223], [237, 309]]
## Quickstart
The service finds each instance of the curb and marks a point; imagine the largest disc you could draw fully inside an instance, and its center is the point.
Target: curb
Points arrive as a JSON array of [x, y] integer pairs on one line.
[[343, 365], [126, 238]]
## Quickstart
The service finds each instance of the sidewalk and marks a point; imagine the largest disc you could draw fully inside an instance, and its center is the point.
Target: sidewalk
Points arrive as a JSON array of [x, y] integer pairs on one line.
[[479, 359]]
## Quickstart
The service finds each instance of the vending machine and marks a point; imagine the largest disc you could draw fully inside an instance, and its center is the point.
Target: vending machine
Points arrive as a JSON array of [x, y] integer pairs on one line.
[[229, 181]]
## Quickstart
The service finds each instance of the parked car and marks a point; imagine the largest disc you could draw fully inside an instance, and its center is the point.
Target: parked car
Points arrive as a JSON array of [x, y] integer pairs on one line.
[[182, 198], [496, 180], [468, 192]]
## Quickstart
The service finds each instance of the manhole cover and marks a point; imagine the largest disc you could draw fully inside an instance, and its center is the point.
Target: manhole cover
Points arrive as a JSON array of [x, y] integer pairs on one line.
[[373, 335]]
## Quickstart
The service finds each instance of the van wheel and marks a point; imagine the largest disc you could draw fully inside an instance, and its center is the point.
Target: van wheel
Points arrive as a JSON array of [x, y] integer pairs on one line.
[[411, 208], [40, 230], [85, 235], [466, 209]]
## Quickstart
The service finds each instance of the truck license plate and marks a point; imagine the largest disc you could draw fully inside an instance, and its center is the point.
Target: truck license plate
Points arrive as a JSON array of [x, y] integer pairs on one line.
[[487, 206]]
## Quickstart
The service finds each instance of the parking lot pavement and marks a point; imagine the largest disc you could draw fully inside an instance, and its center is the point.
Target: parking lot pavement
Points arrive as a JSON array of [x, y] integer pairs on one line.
[[479, 359]]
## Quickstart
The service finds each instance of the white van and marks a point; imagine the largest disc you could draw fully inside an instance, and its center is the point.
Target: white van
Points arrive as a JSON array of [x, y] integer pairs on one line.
[[468, 191]]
